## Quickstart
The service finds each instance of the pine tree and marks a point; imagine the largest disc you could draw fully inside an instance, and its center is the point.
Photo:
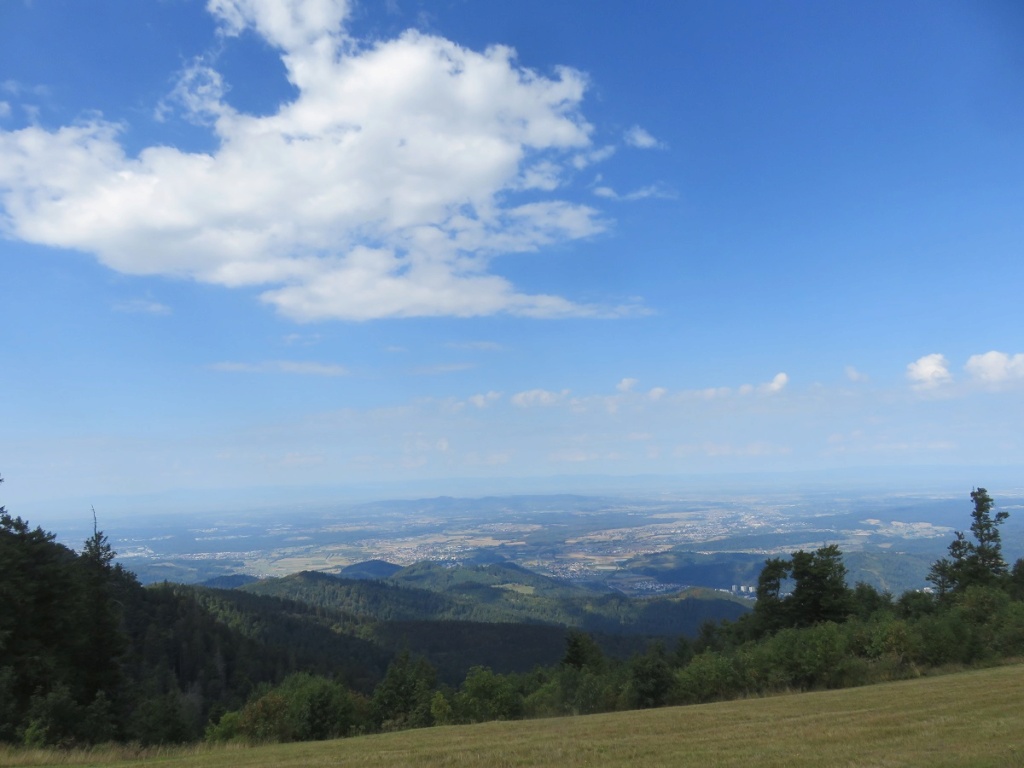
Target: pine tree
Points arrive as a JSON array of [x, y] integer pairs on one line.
[[973, 563]]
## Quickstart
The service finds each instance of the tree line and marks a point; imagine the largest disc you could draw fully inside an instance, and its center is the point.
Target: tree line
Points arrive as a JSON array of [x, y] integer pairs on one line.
[[809, 630], [88, 655]]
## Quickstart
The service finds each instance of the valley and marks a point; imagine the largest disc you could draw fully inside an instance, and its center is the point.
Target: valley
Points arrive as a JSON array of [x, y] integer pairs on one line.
[[642, 545]]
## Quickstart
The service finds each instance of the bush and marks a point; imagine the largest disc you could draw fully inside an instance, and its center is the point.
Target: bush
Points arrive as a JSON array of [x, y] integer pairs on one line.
[[710, 676], [486, 696], [227, 728], [1009, 636], [303, 708]]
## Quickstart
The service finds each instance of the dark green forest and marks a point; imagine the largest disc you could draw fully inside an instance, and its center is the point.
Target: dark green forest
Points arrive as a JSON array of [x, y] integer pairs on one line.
[[88, 655]]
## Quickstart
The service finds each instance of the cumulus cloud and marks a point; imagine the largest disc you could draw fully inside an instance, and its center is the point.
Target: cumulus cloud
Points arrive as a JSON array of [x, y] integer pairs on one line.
[[854, 375], [538, 397], [626, 385], [382, 190], [994, 368], [282, 366], [929, 372], [641, 139]]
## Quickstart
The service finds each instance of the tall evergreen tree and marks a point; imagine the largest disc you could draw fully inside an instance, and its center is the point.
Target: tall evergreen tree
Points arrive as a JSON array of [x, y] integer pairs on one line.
[[38, 602], [101, 640], [978, 562]]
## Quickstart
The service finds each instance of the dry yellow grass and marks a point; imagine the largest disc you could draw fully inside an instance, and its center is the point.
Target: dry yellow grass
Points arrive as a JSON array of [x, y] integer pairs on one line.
[[967, 719]]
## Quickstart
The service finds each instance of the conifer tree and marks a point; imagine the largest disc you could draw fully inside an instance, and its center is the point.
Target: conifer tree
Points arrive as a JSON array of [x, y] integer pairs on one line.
[[973, 563]]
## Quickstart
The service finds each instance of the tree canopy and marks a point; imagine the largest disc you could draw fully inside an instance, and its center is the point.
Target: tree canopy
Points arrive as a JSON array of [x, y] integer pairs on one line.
[[819, 592], [973, 563]]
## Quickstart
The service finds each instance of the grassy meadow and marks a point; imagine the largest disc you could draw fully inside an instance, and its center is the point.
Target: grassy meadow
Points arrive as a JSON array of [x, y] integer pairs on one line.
[[963, 719]]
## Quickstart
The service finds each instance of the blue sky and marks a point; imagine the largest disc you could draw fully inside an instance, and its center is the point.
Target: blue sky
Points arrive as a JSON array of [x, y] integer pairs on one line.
[[316, 243]]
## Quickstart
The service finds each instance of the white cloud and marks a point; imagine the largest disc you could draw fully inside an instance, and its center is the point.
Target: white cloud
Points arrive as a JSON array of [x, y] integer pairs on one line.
[[929, 372], [17, 89], [653, 190], [302, 339], [729, 450], [483, 400], [282, 366], [613, 403], [382, 190], [584, 159], [5, 110], [199, 93], [995, 368], [711, 393], [656, 393], [295, 25], [574, 456], [142, 306], [538, 397], [641, 139], [854, 375], [544, 175], [777, 384]]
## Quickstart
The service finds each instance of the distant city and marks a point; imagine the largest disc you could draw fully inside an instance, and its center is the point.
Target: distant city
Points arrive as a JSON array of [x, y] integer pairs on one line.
[[636, 545]]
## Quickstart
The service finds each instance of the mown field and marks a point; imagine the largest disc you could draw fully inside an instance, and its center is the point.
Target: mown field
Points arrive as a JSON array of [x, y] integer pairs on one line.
[[967, 719]]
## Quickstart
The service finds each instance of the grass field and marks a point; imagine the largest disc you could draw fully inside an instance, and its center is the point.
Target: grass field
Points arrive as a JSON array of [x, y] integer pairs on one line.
[[967, 719]]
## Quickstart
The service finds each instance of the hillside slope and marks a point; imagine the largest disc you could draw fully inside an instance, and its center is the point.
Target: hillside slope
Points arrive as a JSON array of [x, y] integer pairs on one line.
[[971, 718], [500, 593], [499, 615]]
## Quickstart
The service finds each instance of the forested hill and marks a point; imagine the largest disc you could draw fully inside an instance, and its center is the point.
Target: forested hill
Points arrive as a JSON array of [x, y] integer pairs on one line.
[[501, 593], [500, 616], [88, 654]]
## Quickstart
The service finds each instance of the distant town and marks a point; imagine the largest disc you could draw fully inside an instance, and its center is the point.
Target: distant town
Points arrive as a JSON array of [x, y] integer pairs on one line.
[[638, 546]]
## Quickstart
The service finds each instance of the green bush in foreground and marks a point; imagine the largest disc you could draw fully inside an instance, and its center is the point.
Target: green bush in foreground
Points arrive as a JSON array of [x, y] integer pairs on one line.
[[301, 708]]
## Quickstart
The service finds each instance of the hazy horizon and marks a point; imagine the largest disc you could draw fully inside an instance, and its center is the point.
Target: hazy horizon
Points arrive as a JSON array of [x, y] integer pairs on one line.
[[945, 482]]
